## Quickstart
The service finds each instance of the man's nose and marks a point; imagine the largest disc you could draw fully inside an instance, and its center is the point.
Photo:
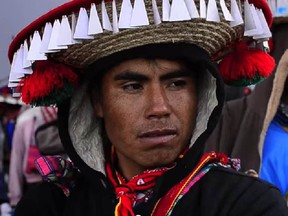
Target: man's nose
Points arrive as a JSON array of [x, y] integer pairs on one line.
[[158, 105]]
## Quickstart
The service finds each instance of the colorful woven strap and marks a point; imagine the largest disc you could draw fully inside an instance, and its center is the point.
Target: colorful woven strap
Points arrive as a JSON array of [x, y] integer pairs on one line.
[[166, 204], [58, 170]]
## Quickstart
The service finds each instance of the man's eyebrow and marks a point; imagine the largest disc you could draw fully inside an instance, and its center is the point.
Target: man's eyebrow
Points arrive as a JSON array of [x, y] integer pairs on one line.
[[133, 75], [177, 73], [130, 75]]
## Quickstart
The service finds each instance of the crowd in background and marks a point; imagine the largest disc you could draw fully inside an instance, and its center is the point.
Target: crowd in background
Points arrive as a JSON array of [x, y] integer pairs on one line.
[[26, 133]]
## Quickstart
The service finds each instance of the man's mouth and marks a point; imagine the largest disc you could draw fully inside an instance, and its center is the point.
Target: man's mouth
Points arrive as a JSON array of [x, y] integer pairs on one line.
[[159, 136]]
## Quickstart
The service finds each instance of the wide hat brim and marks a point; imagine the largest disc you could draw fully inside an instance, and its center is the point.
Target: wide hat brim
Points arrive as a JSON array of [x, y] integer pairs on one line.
[[211, 36]]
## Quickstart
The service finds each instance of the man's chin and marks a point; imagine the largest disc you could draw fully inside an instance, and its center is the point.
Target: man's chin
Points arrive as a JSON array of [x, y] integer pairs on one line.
[[160, 162]]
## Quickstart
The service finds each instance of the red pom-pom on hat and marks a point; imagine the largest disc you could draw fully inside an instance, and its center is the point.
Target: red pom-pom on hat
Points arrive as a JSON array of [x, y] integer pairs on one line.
[[246, 66], [48, 78]]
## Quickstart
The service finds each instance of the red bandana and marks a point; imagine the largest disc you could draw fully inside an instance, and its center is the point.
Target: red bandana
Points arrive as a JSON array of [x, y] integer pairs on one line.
[[126, 192]]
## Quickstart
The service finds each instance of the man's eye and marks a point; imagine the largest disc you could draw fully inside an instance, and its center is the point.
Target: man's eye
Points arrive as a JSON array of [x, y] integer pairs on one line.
[[132, 87], [178, 84]]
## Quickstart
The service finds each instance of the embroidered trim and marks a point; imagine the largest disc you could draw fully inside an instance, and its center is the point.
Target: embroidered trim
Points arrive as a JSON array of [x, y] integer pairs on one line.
[[166, 204]]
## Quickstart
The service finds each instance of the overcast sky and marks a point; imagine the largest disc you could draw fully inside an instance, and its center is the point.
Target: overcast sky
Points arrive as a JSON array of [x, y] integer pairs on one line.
[[14, 16]]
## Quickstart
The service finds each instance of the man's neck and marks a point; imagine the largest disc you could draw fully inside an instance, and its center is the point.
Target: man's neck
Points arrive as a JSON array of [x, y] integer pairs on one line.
[[127, 171]]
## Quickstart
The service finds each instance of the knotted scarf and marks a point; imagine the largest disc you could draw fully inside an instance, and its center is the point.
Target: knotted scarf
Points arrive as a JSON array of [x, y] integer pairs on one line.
[[126, 191]]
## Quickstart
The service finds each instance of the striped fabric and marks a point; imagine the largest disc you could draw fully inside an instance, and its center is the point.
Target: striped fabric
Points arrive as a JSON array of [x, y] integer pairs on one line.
[[49, 113], [58, 170]]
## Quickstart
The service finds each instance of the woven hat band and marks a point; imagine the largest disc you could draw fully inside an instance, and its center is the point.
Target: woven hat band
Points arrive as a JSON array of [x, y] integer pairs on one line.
[[206, 35]]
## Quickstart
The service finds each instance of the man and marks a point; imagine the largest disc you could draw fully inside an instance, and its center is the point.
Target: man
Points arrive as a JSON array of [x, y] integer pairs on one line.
[[147, 98]]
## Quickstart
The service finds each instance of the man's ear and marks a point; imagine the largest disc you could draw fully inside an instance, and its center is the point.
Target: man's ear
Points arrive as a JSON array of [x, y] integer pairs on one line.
[[98, 108], [97, 104]]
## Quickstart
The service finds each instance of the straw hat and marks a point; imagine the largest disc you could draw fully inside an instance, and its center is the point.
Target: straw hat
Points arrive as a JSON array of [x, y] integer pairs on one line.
[[48, 55]]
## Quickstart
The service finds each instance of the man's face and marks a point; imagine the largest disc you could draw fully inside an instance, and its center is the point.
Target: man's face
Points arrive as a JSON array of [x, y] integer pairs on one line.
[[149, 110]]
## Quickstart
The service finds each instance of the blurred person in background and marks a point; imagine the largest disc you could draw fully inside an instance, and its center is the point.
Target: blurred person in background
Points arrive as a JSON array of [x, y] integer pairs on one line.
[[9, 110], [35, 128], [233, 92], [255, 128]]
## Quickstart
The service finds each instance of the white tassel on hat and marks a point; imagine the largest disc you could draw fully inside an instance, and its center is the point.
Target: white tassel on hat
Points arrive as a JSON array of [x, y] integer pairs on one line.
[[73, 28], [226, 12], [19, 63], [34, 51], [65, 33], [179, 11], [82, 26], [14, 77], [95, 26], [203, 9], [166, 8], [235, 12], [125, 14], [115, 17], [55, 35], [266, 31], [139, 14], [105, 18], [46, 38], [156, 14], [192, 9], [25, 63], [212, 11]]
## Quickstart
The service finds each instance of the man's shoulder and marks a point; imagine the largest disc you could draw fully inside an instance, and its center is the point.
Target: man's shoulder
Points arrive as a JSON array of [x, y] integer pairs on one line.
[[227, 175], [224, 191], [245, 193]]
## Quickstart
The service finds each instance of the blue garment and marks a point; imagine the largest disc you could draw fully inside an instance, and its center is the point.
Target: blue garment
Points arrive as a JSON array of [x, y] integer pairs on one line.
[[10, 130], [3, 189], [275, 157]]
